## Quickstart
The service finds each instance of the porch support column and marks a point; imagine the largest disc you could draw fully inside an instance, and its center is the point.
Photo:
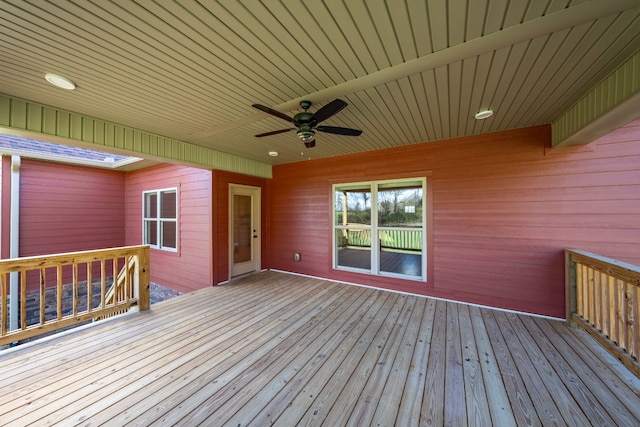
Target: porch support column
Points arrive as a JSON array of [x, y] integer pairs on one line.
[[14, 246]]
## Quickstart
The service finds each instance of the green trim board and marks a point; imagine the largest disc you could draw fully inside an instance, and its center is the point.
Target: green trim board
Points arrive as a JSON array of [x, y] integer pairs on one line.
[[612, 103], [27, 118]]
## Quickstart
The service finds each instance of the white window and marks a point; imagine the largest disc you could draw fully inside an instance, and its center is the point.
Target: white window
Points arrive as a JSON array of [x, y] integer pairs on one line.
[[160, 219], [380, 228]]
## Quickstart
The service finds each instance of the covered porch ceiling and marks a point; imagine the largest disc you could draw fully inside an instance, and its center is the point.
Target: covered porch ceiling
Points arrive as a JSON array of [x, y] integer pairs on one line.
[[410, 71]]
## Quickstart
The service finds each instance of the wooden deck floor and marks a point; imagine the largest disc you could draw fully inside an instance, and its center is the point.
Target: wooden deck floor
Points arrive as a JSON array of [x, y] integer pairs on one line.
[[280, 349]]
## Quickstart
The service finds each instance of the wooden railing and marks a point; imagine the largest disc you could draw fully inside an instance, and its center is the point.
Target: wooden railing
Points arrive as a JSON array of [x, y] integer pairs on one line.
[[602, 297], [127, 268], [401, 239]]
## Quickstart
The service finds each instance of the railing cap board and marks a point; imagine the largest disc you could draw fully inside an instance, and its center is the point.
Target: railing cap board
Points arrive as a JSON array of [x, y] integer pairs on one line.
[[628, 272], [38, 261]]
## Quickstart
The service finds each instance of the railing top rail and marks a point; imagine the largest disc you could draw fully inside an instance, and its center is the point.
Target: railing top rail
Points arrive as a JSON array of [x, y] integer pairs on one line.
[[623, 270], [41, 261]]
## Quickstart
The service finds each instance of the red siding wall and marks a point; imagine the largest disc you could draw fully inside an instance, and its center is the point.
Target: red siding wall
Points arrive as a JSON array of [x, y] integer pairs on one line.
[[67, 208], [190, 268], [504, 206], [221, 221]]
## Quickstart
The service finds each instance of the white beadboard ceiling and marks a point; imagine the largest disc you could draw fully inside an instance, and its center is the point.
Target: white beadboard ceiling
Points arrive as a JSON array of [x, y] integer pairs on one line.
[[411, 71]]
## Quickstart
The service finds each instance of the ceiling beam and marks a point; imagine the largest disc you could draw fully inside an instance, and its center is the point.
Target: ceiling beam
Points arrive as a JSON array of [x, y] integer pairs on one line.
[[26, 119]]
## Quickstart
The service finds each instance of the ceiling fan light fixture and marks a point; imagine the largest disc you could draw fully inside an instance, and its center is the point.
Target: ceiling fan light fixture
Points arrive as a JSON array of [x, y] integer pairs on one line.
[[484, 114], [306, 135], [59, 81]]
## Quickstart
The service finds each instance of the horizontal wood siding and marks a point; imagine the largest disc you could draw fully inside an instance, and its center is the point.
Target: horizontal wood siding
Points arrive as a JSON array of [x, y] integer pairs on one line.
[[191, 267], [504, 207], [221, 223], [65, 208]]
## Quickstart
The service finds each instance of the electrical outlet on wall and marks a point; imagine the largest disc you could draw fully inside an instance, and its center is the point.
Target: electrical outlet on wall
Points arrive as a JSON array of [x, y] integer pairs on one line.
[[296, 256]]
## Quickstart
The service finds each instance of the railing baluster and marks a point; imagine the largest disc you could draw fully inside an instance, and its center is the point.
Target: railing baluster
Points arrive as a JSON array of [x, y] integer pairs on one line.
[[116, 293], [126, 278], [633, 323], [613, 316], [611, 298], [577, 283], [103, 281], [43, 294], [623, 315], [23, 299], [635, 329], [585, 290], [590, 294], [5, 296], [629, 317], [75, 289], [89, 287], [59, 291]]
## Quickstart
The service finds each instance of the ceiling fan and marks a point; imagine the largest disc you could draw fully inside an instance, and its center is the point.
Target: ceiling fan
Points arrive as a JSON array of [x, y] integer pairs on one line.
[[306, 123]]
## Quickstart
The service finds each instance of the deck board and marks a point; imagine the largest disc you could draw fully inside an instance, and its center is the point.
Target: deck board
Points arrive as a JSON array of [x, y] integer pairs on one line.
[[280, 349]]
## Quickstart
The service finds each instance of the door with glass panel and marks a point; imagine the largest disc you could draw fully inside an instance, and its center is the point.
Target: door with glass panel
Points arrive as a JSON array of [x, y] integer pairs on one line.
[[244, 229]]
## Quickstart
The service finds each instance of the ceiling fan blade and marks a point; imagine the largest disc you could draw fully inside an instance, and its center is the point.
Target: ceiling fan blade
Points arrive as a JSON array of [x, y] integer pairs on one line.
[[329, 110], [273, 112], [339, 130], [274, 132]]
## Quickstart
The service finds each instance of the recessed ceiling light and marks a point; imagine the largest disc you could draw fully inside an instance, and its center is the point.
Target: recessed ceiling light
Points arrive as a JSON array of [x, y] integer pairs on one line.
[[59, 81], [484, 114], [273, 153]]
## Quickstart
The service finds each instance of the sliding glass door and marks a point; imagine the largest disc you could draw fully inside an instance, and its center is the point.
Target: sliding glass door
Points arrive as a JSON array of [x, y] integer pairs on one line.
[[380, 228]]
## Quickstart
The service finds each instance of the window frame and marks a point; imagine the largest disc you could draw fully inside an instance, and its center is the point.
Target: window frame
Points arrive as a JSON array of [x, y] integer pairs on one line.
[[159, 220], [375, 186]]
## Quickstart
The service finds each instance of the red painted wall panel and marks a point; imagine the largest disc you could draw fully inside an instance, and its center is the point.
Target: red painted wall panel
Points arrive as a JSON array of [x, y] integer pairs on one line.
[[504, 207], [66, 208], [191, 267]]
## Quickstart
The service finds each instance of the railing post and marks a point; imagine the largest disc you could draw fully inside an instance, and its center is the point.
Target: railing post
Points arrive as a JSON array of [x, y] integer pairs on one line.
[[570, 287], [142, 279]]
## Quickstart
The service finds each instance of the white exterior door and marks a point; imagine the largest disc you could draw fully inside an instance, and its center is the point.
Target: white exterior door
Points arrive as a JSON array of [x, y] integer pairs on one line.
[[244, 229]]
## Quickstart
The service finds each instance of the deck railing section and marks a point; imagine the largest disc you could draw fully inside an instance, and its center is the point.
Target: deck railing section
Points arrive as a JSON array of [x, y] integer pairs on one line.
[[127, 269], [400, 239], [603, 298]]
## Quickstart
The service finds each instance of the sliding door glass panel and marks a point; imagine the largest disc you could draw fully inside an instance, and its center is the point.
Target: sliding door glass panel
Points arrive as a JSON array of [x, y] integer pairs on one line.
[[353, 248], [380, 228], [400, 225], [352, 221]]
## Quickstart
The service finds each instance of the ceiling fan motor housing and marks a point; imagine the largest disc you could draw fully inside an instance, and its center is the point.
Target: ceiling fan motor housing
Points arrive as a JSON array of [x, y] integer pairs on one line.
[[302, 119]]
